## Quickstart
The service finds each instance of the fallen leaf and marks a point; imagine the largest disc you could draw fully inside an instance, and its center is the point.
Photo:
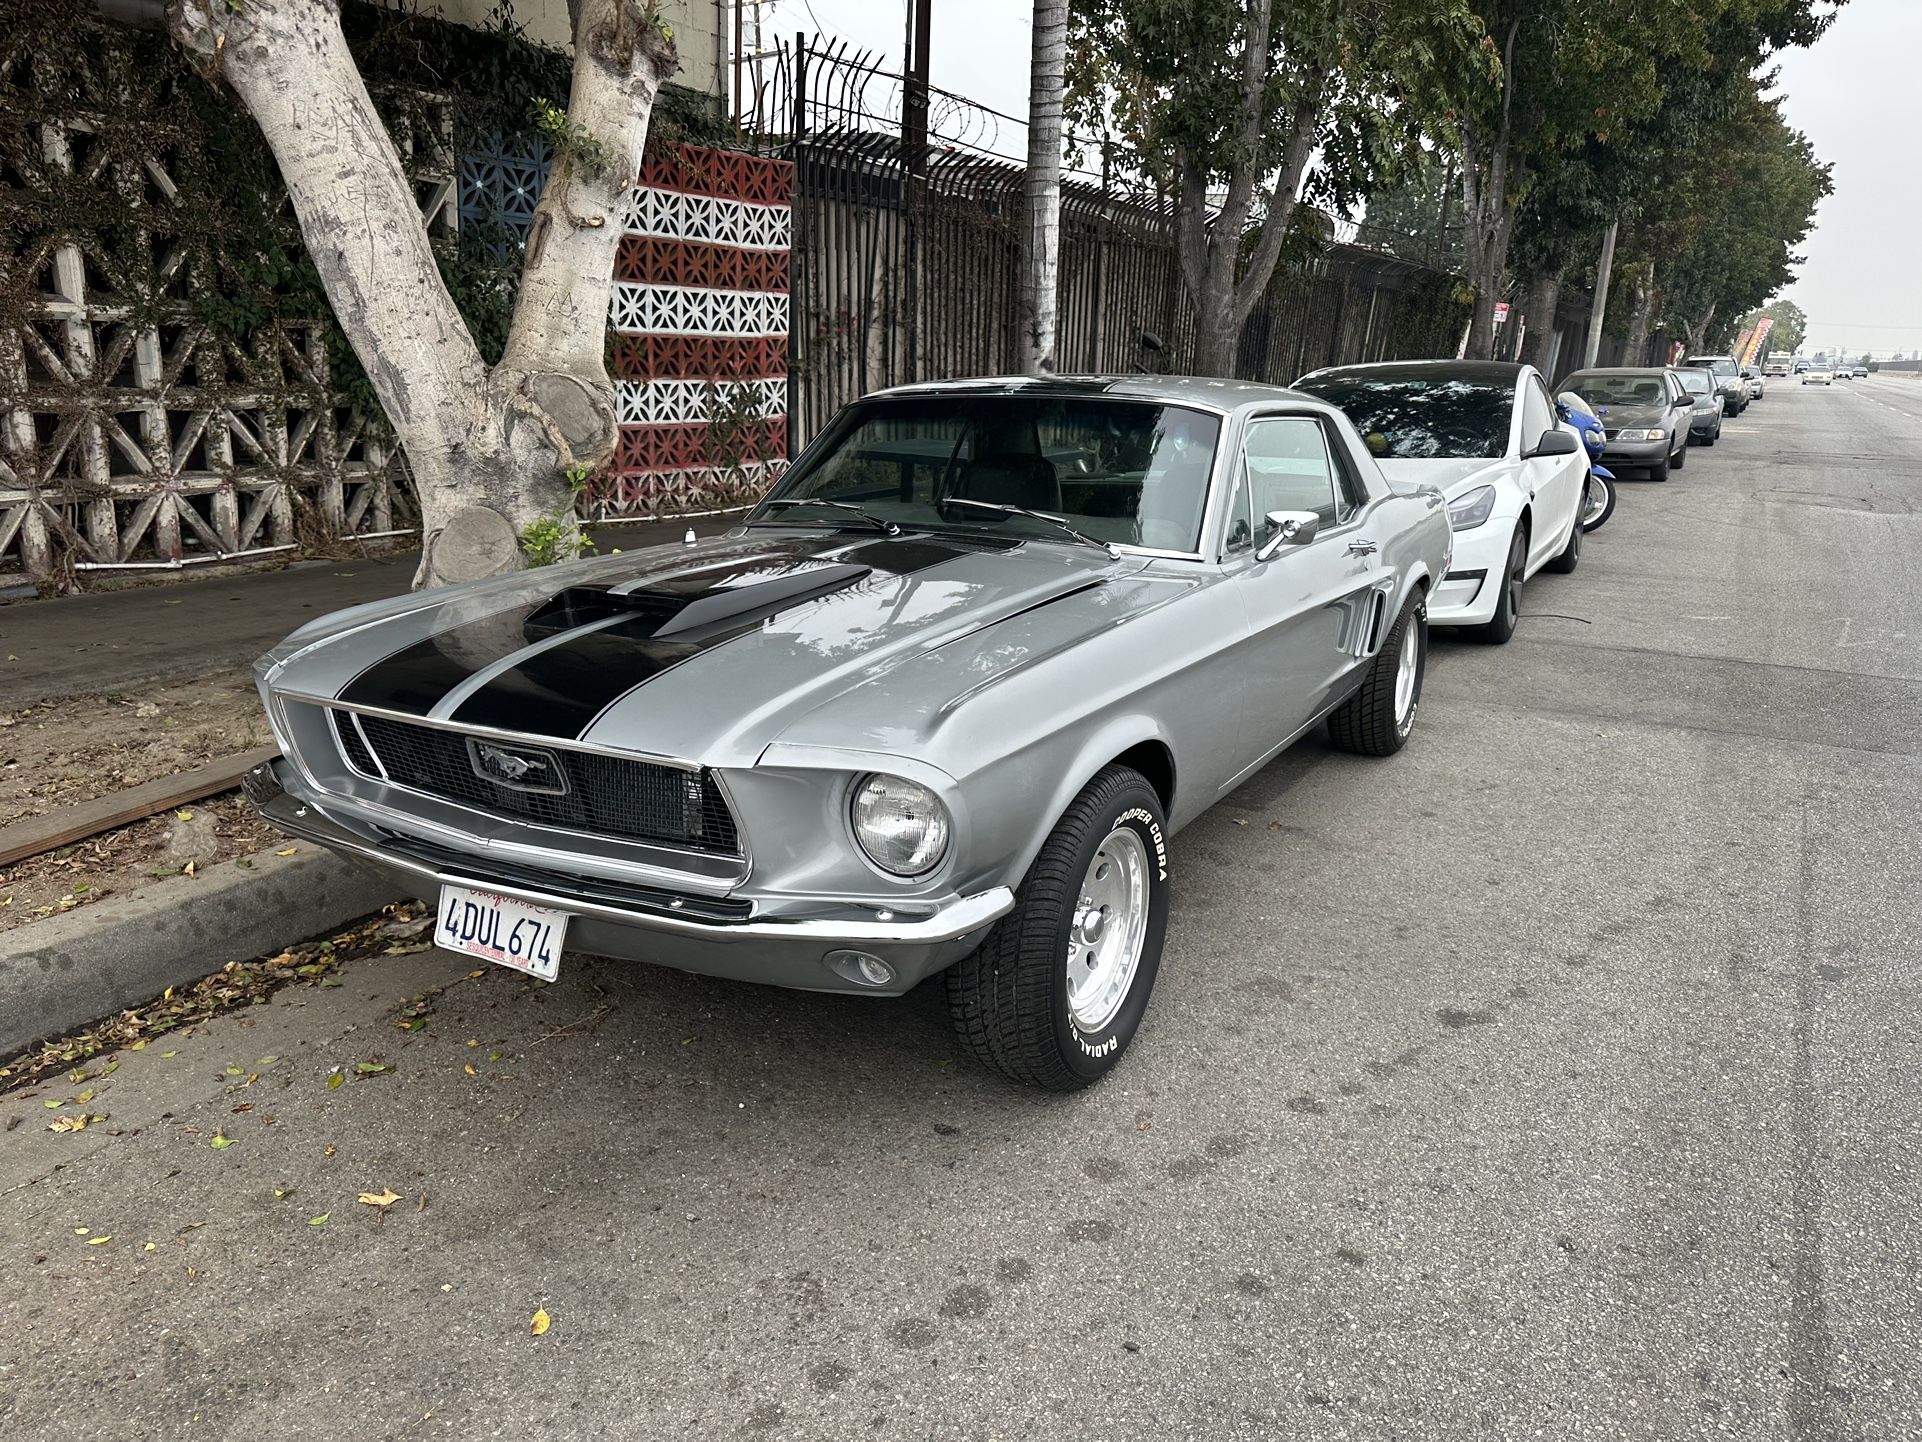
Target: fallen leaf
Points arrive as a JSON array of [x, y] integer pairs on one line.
[[266, 1061], [473, 1041], [67, 1124], [165, 1054], [469, 1069], [319, 1221], [183, 816], [538, 1327], [220, 1141], [337, 1079], [385, 1197], [372, 1068], [412, 1023], [151, 1246], [329, 1150], [471, 976], [282, 1193], [493, 1056], [96, 1241], [1239, 821], [81, 1231], [287, 851], [189, 869], [85, 1096], [54, 1102], [235, 1071], [139, 1045]]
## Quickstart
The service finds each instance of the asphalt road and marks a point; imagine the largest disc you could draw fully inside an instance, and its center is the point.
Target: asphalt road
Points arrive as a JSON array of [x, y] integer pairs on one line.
[[1556, 1078]]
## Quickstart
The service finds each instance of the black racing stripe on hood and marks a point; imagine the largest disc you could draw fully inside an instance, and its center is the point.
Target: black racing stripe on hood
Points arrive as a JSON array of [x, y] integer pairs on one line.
[[415, 677], [558, 690]]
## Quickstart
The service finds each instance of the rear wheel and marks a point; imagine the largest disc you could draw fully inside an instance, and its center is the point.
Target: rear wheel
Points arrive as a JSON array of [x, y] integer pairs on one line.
[[1508, 605], [1598, 503], [1057, 991], [1376, 720]]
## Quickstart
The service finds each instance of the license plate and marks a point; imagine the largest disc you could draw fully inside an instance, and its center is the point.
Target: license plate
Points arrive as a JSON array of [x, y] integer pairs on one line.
[[501, 930]]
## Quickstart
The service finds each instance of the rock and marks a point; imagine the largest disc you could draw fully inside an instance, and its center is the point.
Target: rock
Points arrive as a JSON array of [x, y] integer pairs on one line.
[[192, 840], [146, 710]]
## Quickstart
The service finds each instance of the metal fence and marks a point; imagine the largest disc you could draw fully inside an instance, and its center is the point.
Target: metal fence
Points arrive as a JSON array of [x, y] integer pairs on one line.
[[907, 255]]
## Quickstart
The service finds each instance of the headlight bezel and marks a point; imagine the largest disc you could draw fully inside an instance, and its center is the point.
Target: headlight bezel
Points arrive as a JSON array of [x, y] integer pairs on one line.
[[920, 861], [1642, 433], [1471, 509]]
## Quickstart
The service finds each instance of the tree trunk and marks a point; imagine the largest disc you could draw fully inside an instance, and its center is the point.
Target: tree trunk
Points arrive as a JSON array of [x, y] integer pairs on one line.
[[1544, 297], [491, 451], [1698, 330], [1640, 316], [1488, 217], [1042, 249]]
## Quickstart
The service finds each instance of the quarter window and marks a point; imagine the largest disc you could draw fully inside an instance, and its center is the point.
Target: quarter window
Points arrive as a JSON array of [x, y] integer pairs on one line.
[[1537, 415]]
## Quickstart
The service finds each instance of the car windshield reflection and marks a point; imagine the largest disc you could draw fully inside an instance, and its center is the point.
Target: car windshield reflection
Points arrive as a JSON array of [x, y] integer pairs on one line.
[[1408, 418], [1131, 473]]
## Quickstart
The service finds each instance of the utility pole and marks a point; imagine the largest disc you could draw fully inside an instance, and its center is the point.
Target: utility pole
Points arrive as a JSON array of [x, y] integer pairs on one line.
[[914, 148], [1603, 271], [914, 98]]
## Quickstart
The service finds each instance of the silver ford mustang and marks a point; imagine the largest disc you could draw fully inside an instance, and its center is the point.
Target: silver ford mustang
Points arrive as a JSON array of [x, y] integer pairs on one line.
[[939, 703]]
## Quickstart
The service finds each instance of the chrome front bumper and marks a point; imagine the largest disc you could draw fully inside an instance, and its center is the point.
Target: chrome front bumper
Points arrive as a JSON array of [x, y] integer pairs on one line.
[[776, 950]]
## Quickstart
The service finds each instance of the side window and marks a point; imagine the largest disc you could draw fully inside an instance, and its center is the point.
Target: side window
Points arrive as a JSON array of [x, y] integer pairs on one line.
[[1537, 414], [1286, 467]]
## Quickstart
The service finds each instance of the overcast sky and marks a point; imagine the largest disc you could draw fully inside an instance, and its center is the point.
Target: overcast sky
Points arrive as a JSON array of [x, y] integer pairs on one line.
[[1855, 94]]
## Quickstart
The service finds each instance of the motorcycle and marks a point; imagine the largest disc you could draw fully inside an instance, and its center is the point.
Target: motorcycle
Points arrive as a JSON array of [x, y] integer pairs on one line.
[[1598, 501]]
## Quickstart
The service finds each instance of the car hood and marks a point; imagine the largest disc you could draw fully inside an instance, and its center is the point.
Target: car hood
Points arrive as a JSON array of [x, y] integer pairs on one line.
[[706, 652], [1453, 477]]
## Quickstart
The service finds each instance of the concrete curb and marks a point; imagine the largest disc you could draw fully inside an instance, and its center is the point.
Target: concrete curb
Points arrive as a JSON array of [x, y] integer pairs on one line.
[[64, 971]]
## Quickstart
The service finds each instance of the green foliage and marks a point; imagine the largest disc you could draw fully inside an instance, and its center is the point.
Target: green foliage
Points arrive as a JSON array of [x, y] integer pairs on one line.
[[573, 144], [1791, 326], [557, 536]]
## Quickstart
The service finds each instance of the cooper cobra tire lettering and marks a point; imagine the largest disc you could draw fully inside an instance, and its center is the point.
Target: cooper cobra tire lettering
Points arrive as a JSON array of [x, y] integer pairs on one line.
[[1154, 836]]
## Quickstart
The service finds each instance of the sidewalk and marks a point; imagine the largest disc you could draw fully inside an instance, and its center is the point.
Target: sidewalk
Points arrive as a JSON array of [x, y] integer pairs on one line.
[[118, 640]]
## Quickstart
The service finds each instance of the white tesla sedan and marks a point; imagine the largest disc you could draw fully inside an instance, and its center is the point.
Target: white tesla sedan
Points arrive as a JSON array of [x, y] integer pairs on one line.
[[1486, 435]]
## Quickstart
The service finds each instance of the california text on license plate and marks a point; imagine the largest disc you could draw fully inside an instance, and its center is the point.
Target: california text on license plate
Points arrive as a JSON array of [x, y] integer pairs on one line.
[[501, 930]]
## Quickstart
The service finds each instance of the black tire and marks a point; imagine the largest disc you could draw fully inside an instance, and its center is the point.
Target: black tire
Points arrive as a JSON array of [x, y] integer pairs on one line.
[[1009, 1001], [1497, 629], [1608, 503], [1570, 556], [1658, 473], [1680, 458], [1370, 723], [1711, 438]]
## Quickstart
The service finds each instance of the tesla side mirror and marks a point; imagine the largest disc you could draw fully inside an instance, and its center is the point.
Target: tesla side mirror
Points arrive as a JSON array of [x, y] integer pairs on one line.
[[1291, 528], [1553, 443]]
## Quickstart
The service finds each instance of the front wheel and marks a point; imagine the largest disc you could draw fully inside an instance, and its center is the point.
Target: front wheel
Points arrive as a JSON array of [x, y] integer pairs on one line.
[[1376, 720], [1057, 991], [1508, 605], [1680, 457], [1598, 504], [1658, 473]]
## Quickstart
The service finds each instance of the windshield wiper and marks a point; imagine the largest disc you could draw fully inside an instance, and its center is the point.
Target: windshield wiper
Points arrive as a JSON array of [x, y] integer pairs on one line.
[[1055, 521], [886, 528]]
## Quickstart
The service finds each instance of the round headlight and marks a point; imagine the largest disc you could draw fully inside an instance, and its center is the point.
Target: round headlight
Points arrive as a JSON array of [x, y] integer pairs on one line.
[[902, 826]]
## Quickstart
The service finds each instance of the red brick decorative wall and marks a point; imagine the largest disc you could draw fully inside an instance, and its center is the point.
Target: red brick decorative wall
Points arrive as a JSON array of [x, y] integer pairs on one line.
[[700, 321]]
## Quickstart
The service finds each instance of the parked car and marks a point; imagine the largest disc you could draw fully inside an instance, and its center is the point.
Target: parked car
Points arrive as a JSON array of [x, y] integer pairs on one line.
[[1818, 375], [1646, 415], [1705, 416], [1728, 377], [1488, 435], [1598, 498], [939, 704], [1754, 380]]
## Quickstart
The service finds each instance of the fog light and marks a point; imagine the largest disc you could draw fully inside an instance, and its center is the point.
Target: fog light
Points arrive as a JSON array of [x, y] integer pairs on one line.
[[860, 967]]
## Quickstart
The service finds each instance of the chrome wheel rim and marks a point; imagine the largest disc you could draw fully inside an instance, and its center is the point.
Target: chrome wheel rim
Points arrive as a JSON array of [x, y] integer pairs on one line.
[[1108, 929], [1407, 665], [1520, 558], [1597, 500]]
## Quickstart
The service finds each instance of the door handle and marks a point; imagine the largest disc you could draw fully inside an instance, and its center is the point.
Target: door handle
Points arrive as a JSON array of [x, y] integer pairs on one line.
[[1362, 548]]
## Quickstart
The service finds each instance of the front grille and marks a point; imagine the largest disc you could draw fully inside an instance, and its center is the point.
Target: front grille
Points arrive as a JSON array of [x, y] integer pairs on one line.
[[603, 795], [492, 871]]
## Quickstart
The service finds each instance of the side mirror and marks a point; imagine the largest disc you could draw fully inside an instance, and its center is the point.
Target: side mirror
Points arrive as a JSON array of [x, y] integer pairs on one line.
[[1553, 443], [1292, 528]]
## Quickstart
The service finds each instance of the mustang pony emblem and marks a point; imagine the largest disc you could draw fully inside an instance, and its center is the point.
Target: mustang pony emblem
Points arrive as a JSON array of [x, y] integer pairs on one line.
[[524, 768]]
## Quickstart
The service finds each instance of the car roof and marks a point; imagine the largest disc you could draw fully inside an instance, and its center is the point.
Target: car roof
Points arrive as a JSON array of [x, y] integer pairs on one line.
[[1493, 372], [1205, 391], [1620, 371]]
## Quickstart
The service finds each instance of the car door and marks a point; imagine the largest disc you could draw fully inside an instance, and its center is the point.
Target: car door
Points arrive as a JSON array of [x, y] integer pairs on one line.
[[1553, 482], [1311, 607]]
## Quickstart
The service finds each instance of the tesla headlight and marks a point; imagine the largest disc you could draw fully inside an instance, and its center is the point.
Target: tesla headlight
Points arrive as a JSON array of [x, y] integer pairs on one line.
[[900, 824], [1653, 434], [1468, 511]]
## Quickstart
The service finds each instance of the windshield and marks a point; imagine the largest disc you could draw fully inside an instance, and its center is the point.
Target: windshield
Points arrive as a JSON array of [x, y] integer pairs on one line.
[[1421, 418], [1617, 390], [1697, 382], [1130, 472], [1721, 365]]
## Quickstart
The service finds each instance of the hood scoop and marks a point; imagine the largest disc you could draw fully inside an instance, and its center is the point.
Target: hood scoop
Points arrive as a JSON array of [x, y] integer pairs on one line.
[[680, 612]]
